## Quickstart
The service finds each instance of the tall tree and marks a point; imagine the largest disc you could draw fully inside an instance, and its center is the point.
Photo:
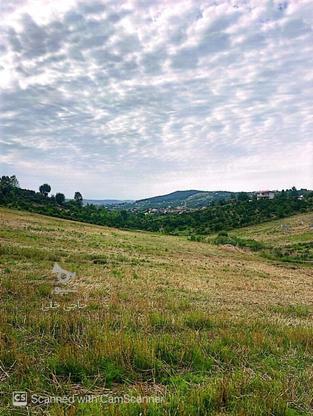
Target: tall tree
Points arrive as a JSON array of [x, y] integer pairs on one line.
[[78, 198], [44, 189], [294, 192], [7, 184], [60, 198], [14, 182], [10, 181]]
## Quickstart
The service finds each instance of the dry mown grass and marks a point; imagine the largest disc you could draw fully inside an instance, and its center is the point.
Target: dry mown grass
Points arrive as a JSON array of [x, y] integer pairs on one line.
[[298, 228], [209, 330]]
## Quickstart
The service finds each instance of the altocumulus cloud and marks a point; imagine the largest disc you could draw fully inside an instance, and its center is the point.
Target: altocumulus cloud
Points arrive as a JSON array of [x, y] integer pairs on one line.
[[133, 98]]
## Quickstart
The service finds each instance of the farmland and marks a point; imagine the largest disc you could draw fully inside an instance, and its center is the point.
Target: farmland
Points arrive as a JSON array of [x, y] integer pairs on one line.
[[204, 328]]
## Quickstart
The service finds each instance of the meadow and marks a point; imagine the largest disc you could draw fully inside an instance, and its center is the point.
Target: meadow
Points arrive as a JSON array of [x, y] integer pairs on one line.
[[202, 329]]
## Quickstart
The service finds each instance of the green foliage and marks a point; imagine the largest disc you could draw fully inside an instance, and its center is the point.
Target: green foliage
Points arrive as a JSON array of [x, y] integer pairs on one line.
[[298, 252], [297, 311], [8, 185], [195, 224], [224, 238], [199, 321], [243, 196], [60, 198], [45, 189], [78, 198], [196, 237], [8, 182]]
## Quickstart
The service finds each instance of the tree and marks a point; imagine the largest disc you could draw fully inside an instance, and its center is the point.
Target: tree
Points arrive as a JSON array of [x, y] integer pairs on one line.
[[60, 198], [14, 182], [9, 181], [45, 189], [294, 193], [7, 185], [243, 196], [124, 215], [78, 198]]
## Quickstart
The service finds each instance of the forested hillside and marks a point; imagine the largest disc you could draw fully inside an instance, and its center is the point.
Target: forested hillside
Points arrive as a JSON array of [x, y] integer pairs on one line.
[[222, 215]]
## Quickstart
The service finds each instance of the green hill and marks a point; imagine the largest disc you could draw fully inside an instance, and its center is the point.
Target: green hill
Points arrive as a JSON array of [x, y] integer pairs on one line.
[[289, 239], [204, 329], [188, 199], [218, 216]]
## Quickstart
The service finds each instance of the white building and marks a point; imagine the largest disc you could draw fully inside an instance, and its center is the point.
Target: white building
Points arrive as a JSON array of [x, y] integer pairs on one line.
[[265, 195]]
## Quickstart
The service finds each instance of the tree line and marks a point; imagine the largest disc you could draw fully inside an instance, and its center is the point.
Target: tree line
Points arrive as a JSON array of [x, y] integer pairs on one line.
[[221, 215]]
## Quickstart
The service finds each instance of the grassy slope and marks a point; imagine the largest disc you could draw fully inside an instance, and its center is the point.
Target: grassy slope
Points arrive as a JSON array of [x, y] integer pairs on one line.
[[214, 330], [295, 229]]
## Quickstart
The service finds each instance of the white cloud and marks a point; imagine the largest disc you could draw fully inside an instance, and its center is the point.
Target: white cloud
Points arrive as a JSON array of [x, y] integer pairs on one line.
[[144, 97]]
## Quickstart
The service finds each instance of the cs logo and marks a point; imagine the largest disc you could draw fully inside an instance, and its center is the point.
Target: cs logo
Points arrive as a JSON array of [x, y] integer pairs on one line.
[[19, 398]]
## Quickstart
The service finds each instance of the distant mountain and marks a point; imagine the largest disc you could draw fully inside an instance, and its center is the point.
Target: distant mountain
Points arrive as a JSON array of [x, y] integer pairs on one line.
[[106, 202], [184, 199], [173, 196], [191, 198], [178, 201]]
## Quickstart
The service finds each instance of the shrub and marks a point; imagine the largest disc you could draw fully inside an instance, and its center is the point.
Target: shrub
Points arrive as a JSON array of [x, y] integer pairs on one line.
[[224, 238]]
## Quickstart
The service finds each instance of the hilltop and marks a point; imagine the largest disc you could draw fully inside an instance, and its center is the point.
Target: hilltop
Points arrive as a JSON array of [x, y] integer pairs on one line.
[[187, 199], [182, 201]]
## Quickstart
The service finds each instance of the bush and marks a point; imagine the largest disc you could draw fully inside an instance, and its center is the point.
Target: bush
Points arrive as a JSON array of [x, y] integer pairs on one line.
[[196, 237], [224, 238]]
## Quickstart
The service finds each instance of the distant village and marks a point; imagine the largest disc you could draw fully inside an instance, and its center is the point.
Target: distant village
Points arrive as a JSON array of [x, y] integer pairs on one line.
[[259, 195]]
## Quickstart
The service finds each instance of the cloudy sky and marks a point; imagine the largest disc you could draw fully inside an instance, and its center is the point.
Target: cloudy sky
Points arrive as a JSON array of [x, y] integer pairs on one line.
[[127, 99]]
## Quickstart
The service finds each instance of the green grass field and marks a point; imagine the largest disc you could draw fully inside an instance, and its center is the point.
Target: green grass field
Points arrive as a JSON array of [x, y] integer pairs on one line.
[[180, 327]]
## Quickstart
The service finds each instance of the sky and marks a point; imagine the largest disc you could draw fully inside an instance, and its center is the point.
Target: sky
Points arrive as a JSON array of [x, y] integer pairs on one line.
[[134, 98]]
